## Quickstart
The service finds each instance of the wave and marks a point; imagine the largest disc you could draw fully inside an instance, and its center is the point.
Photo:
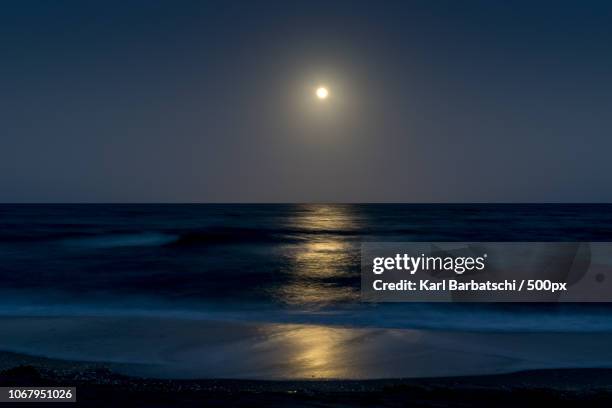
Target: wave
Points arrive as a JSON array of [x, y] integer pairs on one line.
[[122, 240], [175, 237], [99, 237], [433, 317], [220, 236]]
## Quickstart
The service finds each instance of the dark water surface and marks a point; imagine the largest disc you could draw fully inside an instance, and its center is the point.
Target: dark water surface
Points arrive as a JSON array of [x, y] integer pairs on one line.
[[267, 263]]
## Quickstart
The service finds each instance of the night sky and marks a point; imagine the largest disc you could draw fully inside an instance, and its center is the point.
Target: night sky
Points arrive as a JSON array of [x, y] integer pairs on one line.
[[179, 101]]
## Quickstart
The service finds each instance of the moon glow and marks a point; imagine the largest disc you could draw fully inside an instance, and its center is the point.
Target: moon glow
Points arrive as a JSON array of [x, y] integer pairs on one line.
[[322, 92]]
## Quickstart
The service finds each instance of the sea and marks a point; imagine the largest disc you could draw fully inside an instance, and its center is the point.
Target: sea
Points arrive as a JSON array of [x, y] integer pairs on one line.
[[268, 263]]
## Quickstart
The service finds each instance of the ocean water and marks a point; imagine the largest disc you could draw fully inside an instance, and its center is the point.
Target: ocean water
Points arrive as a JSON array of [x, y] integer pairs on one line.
[[267, 263]]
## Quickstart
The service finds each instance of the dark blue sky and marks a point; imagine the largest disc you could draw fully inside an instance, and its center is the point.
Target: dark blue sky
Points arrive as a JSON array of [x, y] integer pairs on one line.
[[179, 101]]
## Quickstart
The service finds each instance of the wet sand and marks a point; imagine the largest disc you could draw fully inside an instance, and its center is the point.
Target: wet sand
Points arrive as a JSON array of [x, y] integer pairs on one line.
[[164, 362], [196, 349]]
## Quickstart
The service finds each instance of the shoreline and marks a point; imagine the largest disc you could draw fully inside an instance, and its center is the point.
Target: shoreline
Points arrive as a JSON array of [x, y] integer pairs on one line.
[[129, 358], [194, 349], [98, 385], [19, 365]]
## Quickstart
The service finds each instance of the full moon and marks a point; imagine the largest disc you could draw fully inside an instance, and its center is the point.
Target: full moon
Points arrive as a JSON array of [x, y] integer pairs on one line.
[[322, 92]]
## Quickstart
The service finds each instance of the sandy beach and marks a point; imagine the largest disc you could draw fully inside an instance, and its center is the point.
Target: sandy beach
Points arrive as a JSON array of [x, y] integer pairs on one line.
[[196, 349], [164, 362], [98, 385]]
